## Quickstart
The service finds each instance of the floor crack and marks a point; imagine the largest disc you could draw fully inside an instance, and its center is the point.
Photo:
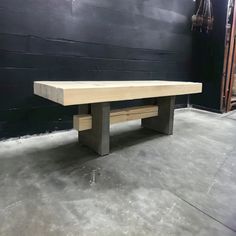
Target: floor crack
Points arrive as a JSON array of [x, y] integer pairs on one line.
[[203, 212]]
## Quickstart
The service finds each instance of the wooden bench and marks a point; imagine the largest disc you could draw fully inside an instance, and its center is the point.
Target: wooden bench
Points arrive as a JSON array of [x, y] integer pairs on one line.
[[94, 98]]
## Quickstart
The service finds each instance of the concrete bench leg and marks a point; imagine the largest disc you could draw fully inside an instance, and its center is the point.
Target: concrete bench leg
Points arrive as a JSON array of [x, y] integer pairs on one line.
[[163, 123], [98, 138]]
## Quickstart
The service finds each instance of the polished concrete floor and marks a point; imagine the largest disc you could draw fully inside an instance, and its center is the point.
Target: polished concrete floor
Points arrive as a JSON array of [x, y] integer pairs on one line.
[[150, 184]]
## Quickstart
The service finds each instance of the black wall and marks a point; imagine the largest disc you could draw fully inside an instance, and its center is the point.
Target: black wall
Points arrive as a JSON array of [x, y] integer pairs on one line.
[[208, 55], [85, 40]]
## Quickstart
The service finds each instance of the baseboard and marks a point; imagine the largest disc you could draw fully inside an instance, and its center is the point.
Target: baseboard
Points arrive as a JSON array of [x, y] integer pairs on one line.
[[206, 108]]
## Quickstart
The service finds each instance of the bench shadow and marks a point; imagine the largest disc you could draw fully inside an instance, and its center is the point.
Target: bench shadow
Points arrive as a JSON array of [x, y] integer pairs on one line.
[[131, 138], [75, 162], [62, 158]]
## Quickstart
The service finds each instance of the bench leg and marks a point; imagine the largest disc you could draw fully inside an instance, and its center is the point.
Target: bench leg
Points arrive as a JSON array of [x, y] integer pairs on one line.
[[98, 138], [163, 123]]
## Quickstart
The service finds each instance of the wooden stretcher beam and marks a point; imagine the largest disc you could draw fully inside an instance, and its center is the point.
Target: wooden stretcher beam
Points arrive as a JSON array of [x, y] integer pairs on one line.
[[84, 122]]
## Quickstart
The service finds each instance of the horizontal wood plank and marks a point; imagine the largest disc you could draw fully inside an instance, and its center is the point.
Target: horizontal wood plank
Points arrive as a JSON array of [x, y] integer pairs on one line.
[[87, 92], [84, 122]]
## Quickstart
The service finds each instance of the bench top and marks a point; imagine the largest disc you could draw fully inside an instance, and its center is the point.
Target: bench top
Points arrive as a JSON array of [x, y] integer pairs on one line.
[[86, 92]]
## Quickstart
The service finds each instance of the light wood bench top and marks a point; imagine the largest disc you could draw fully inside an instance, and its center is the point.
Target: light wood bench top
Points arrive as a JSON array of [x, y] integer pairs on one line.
[[87, 92]]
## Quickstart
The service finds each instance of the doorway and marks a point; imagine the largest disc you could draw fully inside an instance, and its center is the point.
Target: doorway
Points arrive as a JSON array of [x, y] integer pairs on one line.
[[228, 95]]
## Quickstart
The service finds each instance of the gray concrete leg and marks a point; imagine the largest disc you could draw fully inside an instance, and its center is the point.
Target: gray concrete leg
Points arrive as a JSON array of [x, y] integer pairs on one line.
[[98, 138], [162, 123]]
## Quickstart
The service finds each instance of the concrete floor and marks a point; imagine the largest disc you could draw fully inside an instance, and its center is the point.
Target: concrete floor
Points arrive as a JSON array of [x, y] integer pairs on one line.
[[150, 184]]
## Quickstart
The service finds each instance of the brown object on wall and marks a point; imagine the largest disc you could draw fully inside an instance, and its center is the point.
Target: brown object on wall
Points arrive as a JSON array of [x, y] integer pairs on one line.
[[203, 19]]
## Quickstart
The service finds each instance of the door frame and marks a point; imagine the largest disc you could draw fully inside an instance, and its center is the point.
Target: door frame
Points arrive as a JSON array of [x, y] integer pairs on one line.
[[229, 66]]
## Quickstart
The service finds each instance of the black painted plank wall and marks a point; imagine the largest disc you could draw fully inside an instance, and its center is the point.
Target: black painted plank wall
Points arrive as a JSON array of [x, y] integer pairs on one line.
[[85, 40]]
